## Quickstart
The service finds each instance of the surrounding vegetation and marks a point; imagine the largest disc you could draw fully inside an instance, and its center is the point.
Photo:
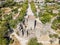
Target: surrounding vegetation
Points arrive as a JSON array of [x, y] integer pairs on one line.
[[45, 17], [33, 41], [46, 14], [7, 22], [3, 33], [53, 36], [56, 23], [22, 13], [33, 7], [49, 0]]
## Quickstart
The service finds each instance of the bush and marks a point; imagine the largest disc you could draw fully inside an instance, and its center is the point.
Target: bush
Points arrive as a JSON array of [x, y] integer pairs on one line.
[[53, 35], [33, 41], [45, 17], [56, 23], [40, 44], [50, 35]]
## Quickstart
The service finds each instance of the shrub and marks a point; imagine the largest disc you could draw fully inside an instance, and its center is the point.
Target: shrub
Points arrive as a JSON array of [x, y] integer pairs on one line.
[[33, 41]]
